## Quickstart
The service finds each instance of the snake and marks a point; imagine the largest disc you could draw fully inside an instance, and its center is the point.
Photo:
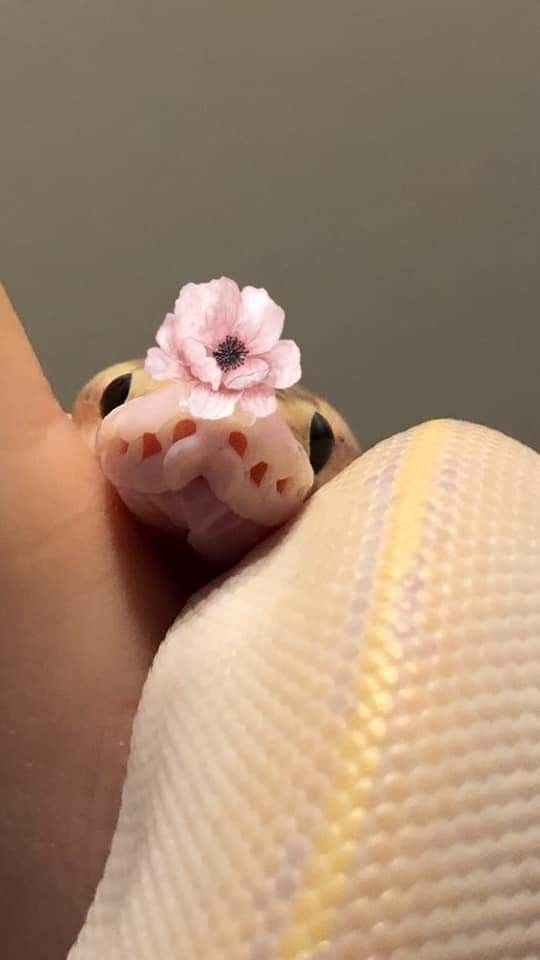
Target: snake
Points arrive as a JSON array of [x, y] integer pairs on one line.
[[221, 485], [336, 753]]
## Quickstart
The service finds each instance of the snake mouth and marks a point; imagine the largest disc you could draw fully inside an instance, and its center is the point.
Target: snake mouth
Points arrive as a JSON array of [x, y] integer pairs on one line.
[[223, 484]]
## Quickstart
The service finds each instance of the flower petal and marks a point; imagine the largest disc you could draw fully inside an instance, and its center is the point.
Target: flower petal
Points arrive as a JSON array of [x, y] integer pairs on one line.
[[193, 305], [260, 320], [208, 372], [284, 360], [259, 401], [168, 335], [194, 351], [253, 371], [227, 308], [162, 366], [211, 404], [208, 311]]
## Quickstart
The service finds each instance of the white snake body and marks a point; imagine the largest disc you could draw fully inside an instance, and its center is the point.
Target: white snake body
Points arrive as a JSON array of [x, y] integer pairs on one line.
[[346, 765]]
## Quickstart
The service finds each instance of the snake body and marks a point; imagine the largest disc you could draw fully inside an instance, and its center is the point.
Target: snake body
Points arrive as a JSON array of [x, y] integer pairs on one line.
[[224, 484], [336, 752], [336, 755]]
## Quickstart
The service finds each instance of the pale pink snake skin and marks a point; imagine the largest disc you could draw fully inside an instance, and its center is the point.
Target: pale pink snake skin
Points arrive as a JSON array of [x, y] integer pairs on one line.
[[337, 752]]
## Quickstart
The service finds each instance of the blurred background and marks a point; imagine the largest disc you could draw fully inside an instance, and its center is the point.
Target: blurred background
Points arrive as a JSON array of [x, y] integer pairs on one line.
[[373, 163]]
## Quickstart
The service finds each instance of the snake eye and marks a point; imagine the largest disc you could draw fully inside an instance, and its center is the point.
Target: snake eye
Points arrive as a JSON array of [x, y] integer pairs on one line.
[[321, 442], [115, 394]]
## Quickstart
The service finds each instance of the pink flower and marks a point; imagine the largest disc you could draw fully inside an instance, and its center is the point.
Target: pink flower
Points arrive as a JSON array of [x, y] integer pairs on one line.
[[225, 343]]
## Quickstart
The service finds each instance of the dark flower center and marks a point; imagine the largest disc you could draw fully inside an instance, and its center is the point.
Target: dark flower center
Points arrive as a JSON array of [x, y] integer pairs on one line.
[[230, 353]]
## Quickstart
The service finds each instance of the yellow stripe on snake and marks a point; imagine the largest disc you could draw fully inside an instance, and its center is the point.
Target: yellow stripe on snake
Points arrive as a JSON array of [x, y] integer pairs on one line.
[[346, 766]]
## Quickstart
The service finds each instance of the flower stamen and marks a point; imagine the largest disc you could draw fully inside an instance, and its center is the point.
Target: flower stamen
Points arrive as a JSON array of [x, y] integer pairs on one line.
[[230, 353]]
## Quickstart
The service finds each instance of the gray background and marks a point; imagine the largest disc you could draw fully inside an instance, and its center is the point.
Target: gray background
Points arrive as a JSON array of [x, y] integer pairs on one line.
[[373, 163]]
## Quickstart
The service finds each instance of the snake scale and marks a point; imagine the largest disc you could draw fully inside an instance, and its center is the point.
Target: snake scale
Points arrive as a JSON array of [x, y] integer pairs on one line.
[[336, 755]]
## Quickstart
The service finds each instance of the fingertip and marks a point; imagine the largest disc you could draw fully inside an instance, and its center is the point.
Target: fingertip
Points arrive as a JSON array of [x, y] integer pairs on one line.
[[27, 403]]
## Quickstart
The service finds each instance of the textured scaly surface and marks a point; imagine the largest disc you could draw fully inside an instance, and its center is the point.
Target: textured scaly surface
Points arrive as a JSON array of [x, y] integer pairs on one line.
[[346, 766]]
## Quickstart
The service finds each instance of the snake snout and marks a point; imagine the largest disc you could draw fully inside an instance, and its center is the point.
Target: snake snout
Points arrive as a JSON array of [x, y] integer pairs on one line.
[[222, 482]]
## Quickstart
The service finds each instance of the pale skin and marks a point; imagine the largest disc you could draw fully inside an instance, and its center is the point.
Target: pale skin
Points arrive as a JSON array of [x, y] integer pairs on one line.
[[86, 598], [84, 604]]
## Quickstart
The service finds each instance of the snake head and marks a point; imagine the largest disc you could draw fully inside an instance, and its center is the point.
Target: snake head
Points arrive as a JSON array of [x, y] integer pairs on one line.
[[222, 484]]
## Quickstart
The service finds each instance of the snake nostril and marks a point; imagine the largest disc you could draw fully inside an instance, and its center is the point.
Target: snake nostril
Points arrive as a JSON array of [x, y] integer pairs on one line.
[[238, 442], [183, 429], [257, 472], [115, 394]]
